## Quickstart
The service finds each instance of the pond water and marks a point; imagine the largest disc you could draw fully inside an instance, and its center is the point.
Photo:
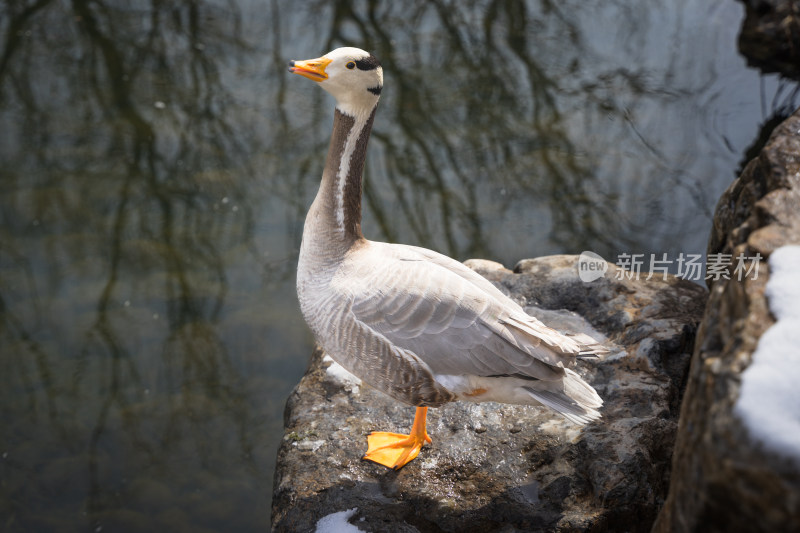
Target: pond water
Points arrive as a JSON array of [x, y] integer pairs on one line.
[[158, 160]]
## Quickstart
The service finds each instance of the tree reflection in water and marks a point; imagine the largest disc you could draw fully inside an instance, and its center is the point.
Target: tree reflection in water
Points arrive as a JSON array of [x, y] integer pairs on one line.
[[126, 221], [158, 162]]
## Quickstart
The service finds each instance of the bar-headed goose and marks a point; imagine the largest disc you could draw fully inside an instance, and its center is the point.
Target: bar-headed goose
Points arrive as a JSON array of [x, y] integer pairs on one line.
[[419, 326]]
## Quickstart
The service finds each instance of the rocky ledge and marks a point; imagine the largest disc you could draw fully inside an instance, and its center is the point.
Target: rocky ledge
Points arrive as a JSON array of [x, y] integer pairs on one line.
[[495, 467], [723, 479]]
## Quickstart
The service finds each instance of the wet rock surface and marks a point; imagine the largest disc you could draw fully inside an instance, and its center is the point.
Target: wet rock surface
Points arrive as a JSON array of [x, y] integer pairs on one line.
[[770, 36], [721, 479], [495, 467]]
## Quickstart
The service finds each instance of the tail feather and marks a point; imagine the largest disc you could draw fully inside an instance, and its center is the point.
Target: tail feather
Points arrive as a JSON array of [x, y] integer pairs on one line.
[[528, 335], [590, 347], [577, 401]]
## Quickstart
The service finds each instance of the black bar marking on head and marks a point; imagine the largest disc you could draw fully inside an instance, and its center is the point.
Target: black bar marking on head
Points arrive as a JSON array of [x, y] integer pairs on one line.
[[375, 90], [368, 63]]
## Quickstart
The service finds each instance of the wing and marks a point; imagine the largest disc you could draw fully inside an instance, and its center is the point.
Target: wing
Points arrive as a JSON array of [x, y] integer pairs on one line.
[[452, 318], [386, 366]]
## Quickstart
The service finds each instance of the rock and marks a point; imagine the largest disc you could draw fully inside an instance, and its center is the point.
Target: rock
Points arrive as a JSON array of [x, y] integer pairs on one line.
[[721, 479], [495, 467], [770, 36]]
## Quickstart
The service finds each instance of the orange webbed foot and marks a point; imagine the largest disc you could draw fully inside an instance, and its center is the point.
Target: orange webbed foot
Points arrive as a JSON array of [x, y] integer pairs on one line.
[[395, 450]]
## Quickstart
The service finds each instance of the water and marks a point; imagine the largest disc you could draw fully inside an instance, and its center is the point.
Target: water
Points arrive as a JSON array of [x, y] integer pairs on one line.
[[157, 162]]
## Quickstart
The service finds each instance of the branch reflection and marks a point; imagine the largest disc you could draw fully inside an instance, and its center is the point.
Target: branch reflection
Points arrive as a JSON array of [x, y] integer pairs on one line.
[[124, 204]]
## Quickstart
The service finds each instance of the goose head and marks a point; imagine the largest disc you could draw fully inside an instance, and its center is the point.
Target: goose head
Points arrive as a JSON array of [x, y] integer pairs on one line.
[[353, 76]]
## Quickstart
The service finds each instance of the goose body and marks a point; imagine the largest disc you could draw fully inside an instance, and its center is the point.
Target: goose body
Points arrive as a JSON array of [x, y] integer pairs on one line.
[[411, 322]]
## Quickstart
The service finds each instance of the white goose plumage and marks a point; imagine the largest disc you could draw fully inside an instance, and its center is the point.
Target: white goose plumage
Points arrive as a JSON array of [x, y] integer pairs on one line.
[[416, 324]]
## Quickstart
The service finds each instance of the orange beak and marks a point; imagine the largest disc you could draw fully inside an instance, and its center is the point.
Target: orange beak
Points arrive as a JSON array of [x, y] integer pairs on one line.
[[313, 69]]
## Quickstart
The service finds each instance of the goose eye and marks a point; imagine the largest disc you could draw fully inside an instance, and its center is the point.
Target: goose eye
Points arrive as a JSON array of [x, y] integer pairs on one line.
[[351, 65]]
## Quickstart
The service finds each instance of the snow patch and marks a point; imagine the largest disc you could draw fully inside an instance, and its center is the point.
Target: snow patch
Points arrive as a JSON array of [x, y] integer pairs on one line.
[[770, 393], [309, 445], [341, 376], [338, 523], [560, 427]]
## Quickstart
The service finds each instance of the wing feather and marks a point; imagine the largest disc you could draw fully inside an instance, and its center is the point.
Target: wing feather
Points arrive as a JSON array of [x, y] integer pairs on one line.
[[452, 318]]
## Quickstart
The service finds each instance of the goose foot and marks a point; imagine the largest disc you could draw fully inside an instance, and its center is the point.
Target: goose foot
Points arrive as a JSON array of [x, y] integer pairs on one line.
[[395, 450]]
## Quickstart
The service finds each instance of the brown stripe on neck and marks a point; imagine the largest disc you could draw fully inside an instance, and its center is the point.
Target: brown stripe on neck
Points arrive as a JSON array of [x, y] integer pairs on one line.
[[353, 185], [343, 126]]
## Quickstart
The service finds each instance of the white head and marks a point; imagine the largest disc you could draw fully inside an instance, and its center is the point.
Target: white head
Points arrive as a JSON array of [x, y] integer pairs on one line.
[[354, 77]]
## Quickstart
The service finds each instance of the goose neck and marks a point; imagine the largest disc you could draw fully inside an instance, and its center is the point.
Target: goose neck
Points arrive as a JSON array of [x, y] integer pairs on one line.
[[336, 211]]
